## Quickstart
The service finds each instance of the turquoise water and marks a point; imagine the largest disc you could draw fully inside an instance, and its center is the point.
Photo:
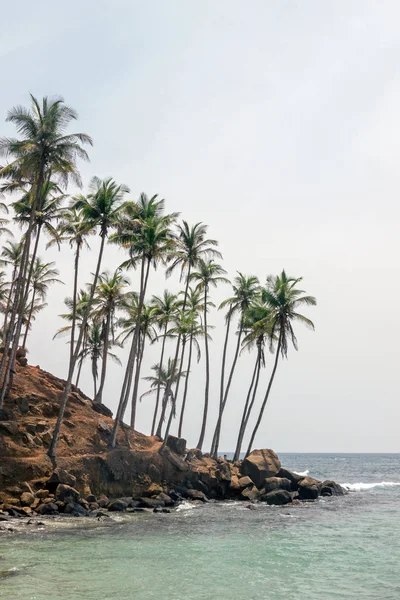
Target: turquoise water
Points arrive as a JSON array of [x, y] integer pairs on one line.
[[333, 549]]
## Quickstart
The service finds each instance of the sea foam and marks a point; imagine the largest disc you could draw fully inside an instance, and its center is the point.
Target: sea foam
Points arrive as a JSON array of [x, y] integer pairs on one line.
[[360, 487], [302, 473]]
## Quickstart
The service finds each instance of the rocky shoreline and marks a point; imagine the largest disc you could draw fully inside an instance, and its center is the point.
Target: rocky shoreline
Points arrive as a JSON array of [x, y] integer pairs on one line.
[[258, 478]]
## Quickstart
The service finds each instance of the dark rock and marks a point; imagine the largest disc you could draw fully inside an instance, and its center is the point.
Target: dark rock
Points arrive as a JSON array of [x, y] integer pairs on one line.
[[166, 499], [4, 415], [9, 427], [4, 517], [75, 510], [60, 475], [48, 509], [91, 498], [23, 361], [250, 493], [23, 405], [69, 424], [66, 493], [194, 453], [42, 493], [278, 497], [224, 472], [309, 488], [276, 483], [21, 352], [244, 482], [101, 409], [294, 478], [103, 501], [259, 465], [151, 502], [175, 496], [104, 427], [176, 444], [195, 495], [117, 506], [331, 488]]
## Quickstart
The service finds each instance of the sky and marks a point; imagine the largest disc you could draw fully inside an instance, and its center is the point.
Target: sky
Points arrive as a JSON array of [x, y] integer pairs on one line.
[[277, 125]]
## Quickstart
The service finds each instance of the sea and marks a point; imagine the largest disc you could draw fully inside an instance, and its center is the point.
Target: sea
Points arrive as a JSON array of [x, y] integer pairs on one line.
[[335, 548]]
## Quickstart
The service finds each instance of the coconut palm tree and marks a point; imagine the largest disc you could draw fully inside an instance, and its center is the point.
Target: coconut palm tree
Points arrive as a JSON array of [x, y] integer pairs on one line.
[[11, 256], [44, 275], [110, 294], [145, 231], [209, 274], [74, 229], [45, 150], [284, 299], [245, 290], [165, 309], [101, 209], [257, 327]]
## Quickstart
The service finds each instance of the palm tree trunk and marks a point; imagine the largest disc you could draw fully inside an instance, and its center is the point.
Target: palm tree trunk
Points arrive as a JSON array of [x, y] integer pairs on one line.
[[52, 450], [29, 319], [94, 374], [253, 435], [126, 386], [12, 286], [247, 409], [74, 301], [222, 385], [217, 432], [153, 426], [207, 387], [186, 386], [99, 396], [81, 360], [136, 383], [180, 369]]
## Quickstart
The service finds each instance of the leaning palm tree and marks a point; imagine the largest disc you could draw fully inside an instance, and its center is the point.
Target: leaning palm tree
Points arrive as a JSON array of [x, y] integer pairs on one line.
[[101, 209], [245, 290], [44, 150], [257, 329], [43, 275], [11, 256], [284, 300], [145, 231], [209, 274], [165, 309], [110, 294]]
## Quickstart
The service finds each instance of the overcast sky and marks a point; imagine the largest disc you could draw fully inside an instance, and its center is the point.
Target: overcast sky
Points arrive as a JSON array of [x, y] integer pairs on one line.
[[277, 124]]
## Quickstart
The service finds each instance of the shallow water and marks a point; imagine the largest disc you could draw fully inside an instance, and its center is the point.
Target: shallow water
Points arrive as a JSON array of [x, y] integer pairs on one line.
[[333, 549]]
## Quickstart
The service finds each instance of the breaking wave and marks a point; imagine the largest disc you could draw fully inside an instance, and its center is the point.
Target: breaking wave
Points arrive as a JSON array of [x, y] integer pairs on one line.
[[302, 473], [360, 487]]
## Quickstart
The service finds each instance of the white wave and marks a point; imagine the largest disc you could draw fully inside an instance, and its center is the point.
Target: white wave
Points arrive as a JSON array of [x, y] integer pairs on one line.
[[360, 487], [303, 473], [185, 506]]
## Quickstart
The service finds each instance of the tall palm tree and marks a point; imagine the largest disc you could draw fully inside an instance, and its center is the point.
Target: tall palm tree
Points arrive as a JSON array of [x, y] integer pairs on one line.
[[11, 256], [44, 150], [101, 209], [284, 299], [209, 274], [257, 327], [110, 294], [165, 308], [44, 275], [191, 246], [245, 290], [74, 229], [145, 231]]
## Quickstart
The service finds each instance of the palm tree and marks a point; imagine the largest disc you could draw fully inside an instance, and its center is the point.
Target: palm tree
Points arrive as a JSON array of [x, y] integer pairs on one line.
[[284, 299], [44, 274], [145, 232], [101, 209], [45, 150], [257, 326], [74, 228], [96, 347], [245, 289], [209, 274], [164, 378], [165, 308], [11, 256], [110, 294]]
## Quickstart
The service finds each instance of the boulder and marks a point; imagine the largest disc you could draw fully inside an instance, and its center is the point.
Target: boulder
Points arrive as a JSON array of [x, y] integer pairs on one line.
[[103, 501], [42, 493], [48, 509], [309, 488], [259, 465], [194, 454], [276, 483], [102, 409], [278, 497], [151, 502], [21, 352], [250, 493], [224, 472], [66, 493], [60, 475], [117, 506], [27, 499], [166, 499], [91, 498], [244, 482], [177, 445], [294, 478], [234, 484], [195, 495], [76, 510], [23, 361], [331, 488], [8, 427]]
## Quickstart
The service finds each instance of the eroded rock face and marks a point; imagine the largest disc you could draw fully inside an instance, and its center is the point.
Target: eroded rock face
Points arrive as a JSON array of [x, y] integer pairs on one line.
[[259, 465]]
